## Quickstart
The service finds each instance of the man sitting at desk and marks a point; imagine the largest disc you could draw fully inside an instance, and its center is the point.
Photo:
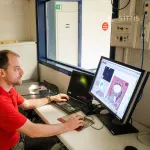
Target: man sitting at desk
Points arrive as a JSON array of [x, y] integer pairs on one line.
[[11, 121]]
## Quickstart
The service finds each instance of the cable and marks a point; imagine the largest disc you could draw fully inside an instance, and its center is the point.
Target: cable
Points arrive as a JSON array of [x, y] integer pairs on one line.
[[94, 122], [143, 46], [142, 134], [96, 107], [122, 7], [97, 128]]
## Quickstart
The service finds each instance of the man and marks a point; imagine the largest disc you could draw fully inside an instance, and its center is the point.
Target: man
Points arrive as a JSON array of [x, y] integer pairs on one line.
[[11, 121]]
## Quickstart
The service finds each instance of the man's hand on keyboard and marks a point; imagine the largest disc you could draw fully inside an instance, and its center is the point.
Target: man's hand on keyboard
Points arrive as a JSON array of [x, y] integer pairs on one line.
[[60, 98], [74, 122]]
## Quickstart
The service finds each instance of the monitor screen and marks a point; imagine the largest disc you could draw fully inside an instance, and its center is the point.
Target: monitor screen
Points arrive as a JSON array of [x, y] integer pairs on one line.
[[79, 86], [115, 85]]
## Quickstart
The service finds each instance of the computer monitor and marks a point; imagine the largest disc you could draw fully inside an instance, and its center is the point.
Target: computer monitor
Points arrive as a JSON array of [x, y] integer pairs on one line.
[[79, 86], [118, 88]]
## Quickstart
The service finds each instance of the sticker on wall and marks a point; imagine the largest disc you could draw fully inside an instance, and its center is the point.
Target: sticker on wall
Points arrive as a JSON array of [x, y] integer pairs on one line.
[[58, 6], [105, 26]]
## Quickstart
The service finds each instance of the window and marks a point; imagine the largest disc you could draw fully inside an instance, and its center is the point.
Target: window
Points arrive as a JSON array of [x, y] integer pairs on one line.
[[74, 32]]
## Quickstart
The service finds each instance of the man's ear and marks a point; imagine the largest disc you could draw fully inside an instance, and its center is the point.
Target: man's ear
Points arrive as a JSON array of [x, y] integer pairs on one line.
[[2, 73]]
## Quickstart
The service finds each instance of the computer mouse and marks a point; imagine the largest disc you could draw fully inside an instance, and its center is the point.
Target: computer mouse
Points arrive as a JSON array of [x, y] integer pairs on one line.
[[130, 148], [79, 128]]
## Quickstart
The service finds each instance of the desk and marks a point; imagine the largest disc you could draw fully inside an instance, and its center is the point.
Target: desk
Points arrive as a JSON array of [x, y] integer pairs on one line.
[[25, 91], [89, 138]]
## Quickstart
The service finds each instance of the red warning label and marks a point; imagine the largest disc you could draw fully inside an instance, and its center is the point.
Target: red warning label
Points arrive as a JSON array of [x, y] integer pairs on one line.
[[105, 26]]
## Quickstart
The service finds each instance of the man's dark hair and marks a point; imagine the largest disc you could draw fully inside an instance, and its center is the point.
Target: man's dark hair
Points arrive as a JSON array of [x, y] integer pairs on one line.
[[4, 58]]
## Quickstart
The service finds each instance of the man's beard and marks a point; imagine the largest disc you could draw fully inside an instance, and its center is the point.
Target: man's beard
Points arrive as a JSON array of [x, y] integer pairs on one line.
[[18, 82]]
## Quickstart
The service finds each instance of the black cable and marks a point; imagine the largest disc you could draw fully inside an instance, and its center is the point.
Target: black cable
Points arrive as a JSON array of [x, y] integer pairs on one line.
[[122, 7], [97, 128], [96, 107], [143, 34]]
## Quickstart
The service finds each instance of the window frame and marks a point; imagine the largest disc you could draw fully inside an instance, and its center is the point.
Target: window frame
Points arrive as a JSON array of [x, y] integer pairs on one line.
[[42, 36]]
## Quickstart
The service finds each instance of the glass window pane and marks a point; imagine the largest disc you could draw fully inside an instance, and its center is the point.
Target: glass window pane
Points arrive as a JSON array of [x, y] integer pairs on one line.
[[63, 36]]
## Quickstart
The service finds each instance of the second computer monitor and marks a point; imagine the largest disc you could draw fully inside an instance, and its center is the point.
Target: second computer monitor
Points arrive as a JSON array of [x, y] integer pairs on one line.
[[118, 87], [79, 86]]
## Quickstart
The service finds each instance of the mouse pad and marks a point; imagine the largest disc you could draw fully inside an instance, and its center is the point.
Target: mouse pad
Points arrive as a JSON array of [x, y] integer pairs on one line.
[[87, 122]]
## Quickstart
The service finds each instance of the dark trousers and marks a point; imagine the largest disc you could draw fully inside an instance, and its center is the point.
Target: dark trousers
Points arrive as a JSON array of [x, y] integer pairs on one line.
[[40, 143]]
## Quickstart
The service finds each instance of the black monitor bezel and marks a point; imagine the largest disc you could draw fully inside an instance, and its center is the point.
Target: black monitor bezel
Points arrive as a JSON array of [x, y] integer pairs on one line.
[[133, 95], [139, 96], [87, 74]]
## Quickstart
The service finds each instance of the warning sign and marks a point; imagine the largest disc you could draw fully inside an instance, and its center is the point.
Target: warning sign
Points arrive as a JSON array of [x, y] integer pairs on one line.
[[105, 26]]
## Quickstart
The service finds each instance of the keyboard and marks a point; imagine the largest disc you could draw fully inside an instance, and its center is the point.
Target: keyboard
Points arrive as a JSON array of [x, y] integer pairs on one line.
[[70, 106], [74, 103]]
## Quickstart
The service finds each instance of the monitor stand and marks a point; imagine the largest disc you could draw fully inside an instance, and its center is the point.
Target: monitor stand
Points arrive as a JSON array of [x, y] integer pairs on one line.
[[114, 126]]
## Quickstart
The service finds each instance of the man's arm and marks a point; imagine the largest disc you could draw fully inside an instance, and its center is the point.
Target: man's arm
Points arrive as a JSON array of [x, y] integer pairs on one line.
[[41, 130], [34, 103]]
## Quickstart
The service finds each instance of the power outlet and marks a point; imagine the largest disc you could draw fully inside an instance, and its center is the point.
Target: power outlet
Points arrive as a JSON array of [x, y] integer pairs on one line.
[[146, 9], [123, 28], [123, 38], [123, 33]]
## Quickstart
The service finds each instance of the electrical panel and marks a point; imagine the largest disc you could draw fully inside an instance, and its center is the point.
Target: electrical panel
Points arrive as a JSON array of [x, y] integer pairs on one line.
[[127, 29], [123, 33], [139, 35]]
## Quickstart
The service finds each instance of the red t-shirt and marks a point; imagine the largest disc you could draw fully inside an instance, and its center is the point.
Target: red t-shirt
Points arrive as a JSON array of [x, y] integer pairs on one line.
[[10, 118]]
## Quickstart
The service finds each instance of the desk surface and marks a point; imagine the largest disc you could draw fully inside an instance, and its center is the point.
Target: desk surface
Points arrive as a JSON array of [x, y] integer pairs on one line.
[[89, 138]]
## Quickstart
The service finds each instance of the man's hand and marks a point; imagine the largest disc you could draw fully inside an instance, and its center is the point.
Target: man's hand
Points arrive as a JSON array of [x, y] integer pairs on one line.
[[60, 98], [74, 122]]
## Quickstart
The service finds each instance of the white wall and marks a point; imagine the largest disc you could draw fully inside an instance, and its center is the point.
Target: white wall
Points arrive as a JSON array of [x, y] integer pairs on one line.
[[18, 22], [28, 55], [59, 79], [15, 19], [32, 20], [95, 41]]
